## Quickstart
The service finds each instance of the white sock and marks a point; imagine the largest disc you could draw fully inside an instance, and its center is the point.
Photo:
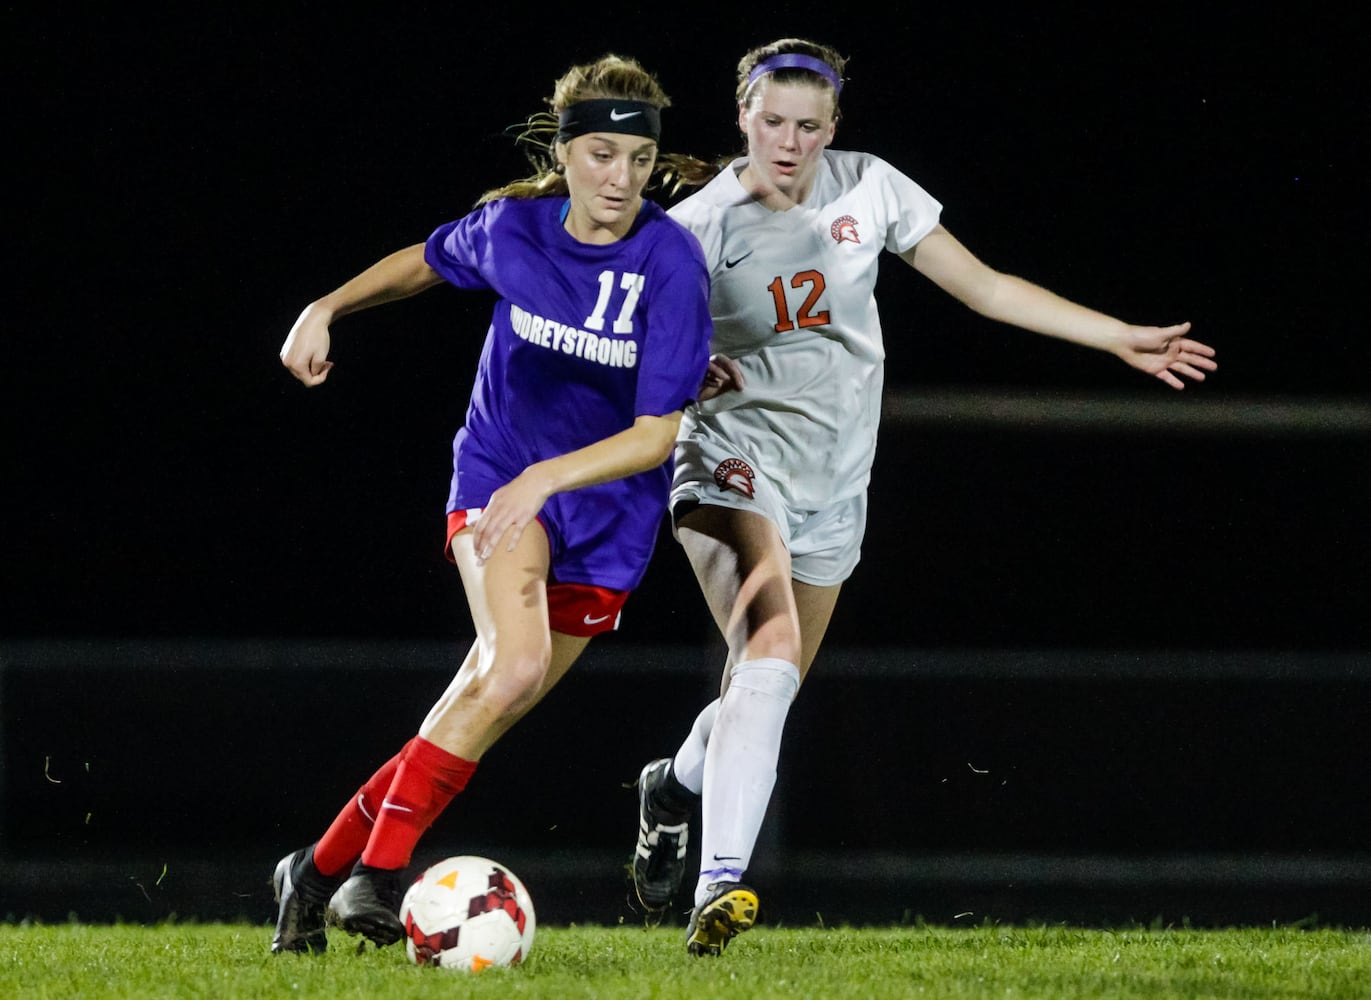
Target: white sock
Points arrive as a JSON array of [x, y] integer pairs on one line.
[[740, 766], [689, 763]]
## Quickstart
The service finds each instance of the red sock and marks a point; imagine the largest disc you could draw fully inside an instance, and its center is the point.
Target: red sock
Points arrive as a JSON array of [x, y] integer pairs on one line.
[[425, 782], [341, 845]]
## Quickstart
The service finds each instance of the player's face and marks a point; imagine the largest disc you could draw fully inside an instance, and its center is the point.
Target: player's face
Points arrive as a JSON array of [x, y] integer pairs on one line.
[[788, 126], [606, 173]]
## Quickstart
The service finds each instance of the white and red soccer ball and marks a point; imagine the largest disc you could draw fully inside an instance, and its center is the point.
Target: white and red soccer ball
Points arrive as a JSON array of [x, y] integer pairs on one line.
[[467, 913]]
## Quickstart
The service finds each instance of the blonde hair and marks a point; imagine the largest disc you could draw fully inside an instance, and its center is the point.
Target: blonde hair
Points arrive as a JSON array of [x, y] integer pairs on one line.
[[610, 77]]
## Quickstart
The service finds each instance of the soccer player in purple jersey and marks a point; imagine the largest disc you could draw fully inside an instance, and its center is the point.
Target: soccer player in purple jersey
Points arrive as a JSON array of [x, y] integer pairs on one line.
[[598, 341], [773, 461]]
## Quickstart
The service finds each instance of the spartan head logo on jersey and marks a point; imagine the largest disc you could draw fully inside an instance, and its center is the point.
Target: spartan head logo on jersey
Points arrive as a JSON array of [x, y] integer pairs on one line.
[[735, 474], [844, 228]]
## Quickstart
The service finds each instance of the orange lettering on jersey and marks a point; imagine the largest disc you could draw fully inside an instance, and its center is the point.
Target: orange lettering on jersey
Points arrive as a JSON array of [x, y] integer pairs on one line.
[[806, 315]]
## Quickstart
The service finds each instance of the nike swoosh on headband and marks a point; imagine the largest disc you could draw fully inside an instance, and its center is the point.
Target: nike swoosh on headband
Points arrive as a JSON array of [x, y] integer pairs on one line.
[[618, 116]]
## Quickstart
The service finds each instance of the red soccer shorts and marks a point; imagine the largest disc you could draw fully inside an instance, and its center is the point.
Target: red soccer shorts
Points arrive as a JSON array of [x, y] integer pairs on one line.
[[572, 608]]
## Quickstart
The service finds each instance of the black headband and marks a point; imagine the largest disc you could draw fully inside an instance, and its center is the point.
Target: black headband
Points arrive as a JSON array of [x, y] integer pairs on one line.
[[606, 115]]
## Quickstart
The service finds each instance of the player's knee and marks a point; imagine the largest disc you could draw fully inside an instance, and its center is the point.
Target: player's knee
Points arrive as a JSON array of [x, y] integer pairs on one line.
[[510, 683], [517, 680], [776, 639]]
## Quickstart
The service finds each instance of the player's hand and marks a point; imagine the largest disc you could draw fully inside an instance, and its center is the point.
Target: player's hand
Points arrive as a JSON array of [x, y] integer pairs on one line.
[[305, 351], [509, 511], [1166, 352], [757, 187], [722, 375]]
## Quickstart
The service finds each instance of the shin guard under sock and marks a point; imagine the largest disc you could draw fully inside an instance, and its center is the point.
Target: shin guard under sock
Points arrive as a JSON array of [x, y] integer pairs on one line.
[[740, 766], [688, 766], [425, 782], [343, 842]]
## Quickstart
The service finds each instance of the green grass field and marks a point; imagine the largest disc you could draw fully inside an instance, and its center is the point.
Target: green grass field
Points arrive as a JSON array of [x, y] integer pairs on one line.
[[627, 963]]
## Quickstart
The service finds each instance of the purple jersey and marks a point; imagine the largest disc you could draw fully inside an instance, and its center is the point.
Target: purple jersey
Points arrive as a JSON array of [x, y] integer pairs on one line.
[[584, 339]]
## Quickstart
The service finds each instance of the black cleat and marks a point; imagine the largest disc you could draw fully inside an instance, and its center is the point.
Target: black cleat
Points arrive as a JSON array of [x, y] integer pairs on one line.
[[663, 832], [302, 893], [368, 903], [730, 909]]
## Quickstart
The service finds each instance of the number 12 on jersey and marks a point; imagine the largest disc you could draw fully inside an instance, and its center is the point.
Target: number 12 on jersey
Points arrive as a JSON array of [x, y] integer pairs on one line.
[[805, 315]]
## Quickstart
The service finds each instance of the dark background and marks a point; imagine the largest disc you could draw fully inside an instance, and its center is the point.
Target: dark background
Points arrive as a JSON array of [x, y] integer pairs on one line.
[[188, 526]]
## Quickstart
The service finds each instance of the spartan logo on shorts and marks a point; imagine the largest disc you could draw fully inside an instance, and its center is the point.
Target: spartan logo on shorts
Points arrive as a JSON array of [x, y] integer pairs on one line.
[[735, 474], [844, 228]]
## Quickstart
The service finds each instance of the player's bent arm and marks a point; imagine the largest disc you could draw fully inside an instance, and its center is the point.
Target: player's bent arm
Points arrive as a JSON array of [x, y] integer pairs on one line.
[[645, 445], [396, 276], [942, 259]]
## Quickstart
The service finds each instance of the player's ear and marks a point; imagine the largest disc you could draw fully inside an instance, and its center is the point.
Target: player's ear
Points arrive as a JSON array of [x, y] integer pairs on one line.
[[742, 118]]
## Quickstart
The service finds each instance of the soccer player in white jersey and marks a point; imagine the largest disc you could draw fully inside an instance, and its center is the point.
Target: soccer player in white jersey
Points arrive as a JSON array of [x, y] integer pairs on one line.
[[598, 339], [773, 460]]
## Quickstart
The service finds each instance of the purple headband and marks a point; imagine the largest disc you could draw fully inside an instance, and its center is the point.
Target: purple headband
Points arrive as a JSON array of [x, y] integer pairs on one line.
[[796, 60]]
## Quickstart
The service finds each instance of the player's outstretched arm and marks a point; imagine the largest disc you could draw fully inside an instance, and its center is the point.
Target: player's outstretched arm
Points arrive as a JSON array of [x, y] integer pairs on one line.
[[1165, 352], [397, 276]]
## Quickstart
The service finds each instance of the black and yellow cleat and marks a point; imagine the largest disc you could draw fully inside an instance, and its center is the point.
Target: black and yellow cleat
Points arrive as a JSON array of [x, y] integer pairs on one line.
[[730, 909], [663, 834]]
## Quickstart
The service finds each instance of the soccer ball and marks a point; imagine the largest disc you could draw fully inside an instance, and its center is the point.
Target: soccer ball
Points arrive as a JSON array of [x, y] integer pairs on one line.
[[467, 913]]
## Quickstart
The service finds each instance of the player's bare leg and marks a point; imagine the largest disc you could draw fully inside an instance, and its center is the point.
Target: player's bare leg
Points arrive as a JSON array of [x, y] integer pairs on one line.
[[513, 663], [815, 606], [743, 568]]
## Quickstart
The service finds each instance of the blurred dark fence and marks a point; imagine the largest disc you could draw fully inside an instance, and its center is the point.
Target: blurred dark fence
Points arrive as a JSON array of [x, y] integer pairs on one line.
[[144, 780], [1104, 660]]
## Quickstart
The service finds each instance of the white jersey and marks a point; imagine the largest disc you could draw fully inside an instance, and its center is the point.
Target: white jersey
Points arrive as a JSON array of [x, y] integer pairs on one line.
[[792, 297]]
